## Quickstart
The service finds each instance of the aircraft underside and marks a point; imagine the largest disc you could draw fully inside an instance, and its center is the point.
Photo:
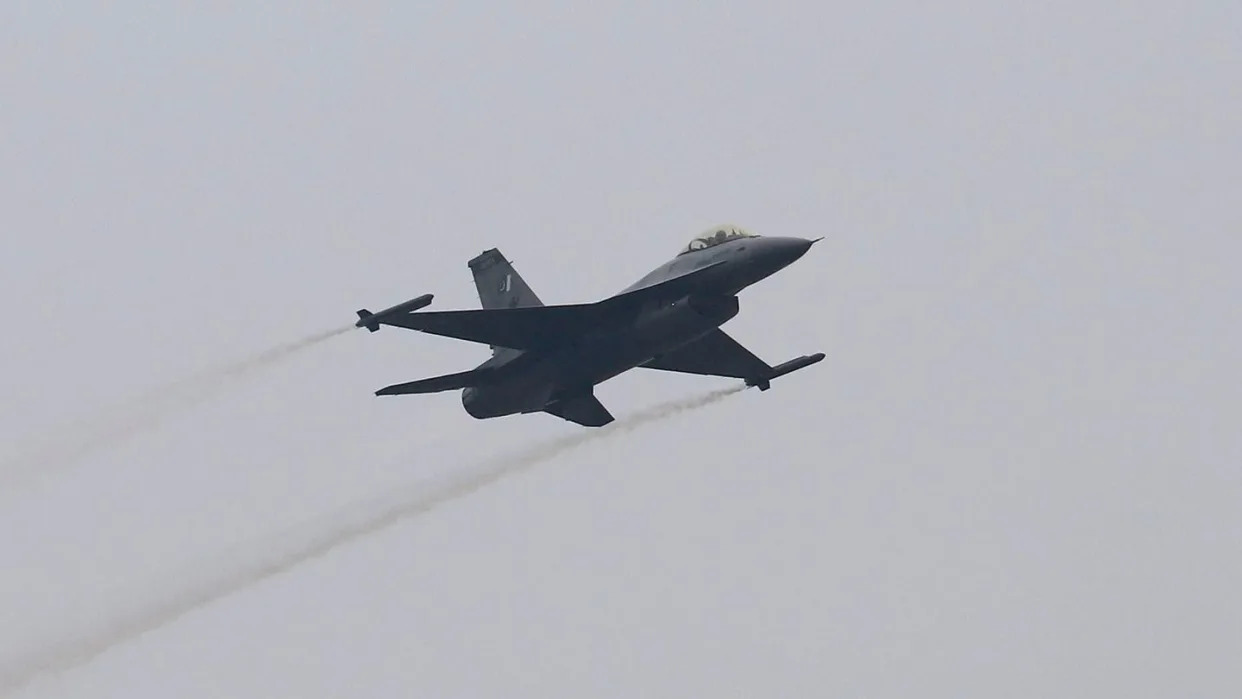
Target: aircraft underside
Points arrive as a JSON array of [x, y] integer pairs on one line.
[[561, 380]]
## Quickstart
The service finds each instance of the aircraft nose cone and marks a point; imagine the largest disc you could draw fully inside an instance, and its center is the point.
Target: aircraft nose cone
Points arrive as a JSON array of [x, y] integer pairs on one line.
[[787, 250], [767, 256], [799, 246]]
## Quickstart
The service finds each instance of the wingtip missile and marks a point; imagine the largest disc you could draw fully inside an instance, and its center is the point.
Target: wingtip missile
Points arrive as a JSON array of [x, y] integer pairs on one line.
[[795, 364], [371, 321], [788, 367]]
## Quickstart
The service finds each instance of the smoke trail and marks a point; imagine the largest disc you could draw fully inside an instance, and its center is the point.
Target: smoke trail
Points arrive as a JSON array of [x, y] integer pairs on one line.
[[64, 446], [338, 529]]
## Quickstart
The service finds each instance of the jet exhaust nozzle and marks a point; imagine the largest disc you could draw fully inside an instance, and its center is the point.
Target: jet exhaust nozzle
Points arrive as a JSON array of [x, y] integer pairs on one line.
[[371, 321]]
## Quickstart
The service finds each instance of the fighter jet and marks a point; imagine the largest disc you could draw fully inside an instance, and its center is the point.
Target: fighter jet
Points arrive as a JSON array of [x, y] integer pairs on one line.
[[550, 358]]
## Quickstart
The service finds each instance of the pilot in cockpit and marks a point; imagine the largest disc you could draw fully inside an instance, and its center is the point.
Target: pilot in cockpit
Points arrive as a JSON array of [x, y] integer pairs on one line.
[[715, 236]]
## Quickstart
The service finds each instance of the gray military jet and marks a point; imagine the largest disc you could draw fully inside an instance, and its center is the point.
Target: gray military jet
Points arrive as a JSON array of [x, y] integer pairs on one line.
[[550, 358]]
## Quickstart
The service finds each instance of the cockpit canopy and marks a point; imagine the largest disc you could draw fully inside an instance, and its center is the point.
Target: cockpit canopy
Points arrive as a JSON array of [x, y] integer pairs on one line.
[[715, 236]]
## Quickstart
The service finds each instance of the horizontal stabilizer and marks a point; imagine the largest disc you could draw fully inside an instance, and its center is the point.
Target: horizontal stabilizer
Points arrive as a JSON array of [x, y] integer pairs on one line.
[[448, 382], [583, 409]]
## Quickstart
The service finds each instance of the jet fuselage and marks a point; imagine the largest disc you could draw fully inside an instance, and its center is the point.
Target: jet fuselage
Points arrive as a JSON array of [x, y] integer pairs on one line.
[[527, 381]]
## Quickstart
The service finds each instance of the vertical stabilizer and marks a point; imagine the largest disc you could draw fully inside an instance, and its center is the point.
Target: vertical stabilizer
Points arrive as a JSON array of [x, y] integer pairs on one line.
[[499, 285]]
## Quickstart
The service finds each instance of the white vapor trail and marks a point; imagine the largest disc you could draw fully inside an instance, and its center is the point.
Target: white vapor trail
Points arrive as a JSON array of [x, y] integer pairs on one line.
[[64, 446], [334, 531]]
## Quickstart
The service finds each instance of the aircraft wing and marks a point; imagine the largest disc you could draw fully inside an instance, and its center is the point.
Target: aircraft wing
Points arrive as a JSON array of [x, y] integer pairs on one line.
[[517, 328], [714, 354], [533, 327]]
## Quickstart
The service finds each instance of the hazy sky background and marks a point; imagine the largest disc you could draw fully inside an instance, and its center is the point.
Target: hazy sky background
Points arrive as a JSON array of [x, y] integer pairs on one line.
[[1018, 472]]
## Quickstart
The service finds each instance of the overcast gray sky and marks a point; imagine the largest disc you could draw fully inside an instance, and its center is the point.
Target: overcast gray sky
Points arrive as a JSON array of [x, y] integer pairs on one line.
[[1018, 472]]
